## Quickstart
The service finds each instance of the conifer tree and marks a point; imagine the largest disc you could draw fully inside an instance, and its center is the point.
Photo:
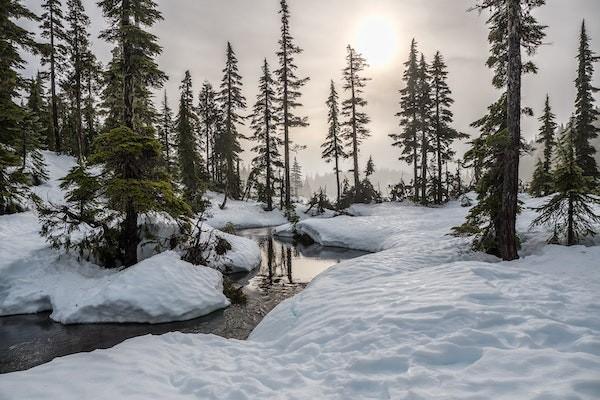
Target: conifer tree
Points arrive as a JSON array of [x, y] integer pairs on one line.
[[408, 114], [333, 147], [231, 102], [370, 168], [425, 104], [165, 130], [208, 112], [585, 112], [296, 178], [78, 56], [493, 220], [443, 133], [92, 85], [32, 161], [190, 163], [355, 125], [264, 125], [541, 184], [571, 210], [289, 85], [13, 40], [52, 29]]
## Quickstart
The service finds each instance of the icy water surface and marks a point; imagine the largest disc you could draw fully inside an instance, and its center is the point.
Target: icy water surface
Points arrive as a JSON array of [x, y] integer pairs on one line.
[[30, 340]]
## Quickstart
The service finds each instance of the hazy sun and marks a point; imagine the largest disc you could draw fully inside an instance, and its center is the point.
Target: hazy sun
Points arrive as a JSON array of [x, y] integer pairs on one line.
[[376, 39]]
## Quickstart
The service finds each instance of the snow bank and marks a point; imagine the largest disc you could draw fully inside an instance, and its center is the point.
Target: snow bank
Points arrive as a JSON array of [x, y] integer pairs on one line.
[[424, 318], [244, 255], [242, 214]]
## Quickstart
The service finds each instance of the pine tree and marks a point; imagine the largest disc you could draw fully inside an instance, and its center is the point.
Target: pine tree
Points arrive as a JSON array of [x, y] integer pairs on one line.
[[208, 113], [408, 114], [585, 112], [541, 184], [443, 133], [370, 169], [92, 85], [165, 130], [333, 147], [231, 102], [189, 161], [77, 48], [264, 124], [496, 152], [288, 90], [425, 104], [355, 125], [13, 39], [571, 209], [32, 161], [296, 178], [53, 30]]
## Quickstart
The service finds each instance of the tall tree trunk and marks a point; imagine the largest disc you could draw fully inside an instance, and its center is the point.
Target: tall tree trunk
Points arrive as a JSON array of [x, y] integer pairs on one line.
[[438, 132], [268, 154], [354, 133], [415, 161], [55, 127], [286, 133], [337, 175], [78, 122], [423, 166], [570, 230], [507, 239]]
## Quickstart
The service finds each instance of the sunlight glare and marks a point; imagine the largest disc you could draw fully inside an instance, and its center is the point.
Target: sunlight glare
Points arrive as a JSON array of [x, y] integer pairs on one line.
[[376, 39]]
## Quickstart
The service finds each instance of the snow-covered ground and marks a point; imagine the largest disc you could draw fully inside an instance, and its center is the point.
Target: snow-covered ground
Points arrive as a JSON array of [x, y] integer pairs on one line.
[[422, 318], [160, 288]]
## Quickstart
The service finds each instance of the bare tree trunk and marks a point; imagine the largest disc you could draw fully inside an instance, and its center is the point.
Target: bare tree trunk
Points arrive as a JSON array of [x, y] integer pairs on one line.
[[423, 166], [507, 238], [354, 133], [570, 230], [55, 127]]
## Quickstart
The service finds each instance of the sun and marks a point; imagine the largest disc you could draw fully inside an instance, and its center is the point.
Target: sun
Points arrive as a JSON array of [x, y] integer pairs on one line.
[[376, 39]]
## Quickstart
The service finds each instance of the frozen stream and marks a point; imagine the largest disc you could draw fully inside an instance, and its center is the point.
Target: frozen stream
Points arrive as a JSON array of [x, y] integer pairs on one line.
[[30, 340]]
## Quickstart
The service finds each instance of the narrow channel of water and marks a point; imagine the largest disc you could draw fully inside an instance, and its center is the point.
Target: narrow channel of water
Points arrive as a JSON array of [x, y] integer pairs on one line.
[[286, 268]]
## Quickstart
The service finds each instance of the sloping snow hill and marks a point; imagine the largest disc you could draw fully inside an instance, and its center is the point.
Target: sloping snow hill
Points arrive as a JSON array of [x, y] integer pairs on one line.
[[423, 318]]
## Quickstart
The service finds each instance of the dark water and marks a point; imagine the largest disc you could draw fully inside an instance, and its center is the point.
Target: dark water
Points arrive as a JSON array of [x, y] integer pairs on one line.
[[286, 268]]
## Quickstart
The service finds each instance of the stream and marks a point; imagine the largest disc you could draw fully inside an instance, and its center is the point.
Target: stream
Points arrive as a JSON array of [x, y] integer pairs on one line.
[[286, 268]]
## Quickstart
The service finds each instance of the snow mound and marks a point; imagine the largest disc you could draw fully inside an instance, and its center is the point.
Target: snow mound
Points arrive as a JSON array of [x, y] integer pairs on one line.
[[244, 255], [242, 214]]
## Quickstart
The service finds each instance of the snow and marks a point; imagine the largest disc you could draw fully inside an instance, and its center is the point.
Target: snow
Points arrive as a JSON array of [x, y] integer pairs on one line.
[[160, 288], [244, 255], [242, 214], [422, 318]]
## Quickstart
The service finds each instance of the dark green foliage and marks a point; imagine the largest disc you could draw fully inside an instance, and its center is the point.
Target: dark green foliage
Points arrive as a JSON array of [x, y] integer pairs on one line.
[[398, 192], [541, 184], [268, 143], [571, 210], [585, 112], [319, 202], [296, 177], [190, 163], [166, 133], [288, 91], [409, 108], [31, 138], [209, 114], [355, 126], [333, 147], [231, 102], [98, 203], [425, 104]]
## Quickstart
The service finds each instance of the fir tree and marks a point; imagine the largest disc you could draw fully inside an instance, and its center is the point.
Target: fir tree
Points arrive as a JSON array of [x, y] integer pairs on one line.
[[190, 163], [585, 112], [496, 152], [208, 113], [231, 102], [355, 125], [408, 114], [571, 209], [541, 184], [443, 133], [296, 174], [92, 85], [288, 90], [425, 104], [52, 29], [13, 39], [370, 169], [333, 147], [32, 161], [264, 127], [165, 130]]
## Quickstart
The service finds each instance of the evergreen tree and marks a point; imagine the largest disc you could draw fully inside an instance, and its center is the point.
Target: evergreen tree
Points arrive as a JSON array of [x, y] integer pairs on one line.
[[585, 112], [165, 130], [209, 117], [541, 184], [77, 47], [408, 114], [32, 161], [333, 147], [296, 178], [355, 125], [92, 85], [264, 124], [444, 134], [425, 104], [190, 163], [13, 39], [288, 90], [496, 152], [52, 29], [370, 169], [570, 211], [231, 102]]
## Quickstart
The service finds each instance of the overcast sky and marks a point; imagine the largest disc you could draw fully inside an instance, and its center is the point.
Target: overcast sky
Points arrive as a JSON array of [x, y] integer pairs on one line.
[[194, 34]]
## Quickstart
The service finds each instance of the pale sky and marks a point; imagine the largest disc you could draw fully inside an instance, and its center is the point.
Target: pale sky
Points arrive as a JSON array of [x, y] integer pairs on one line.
[[194, 34]]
